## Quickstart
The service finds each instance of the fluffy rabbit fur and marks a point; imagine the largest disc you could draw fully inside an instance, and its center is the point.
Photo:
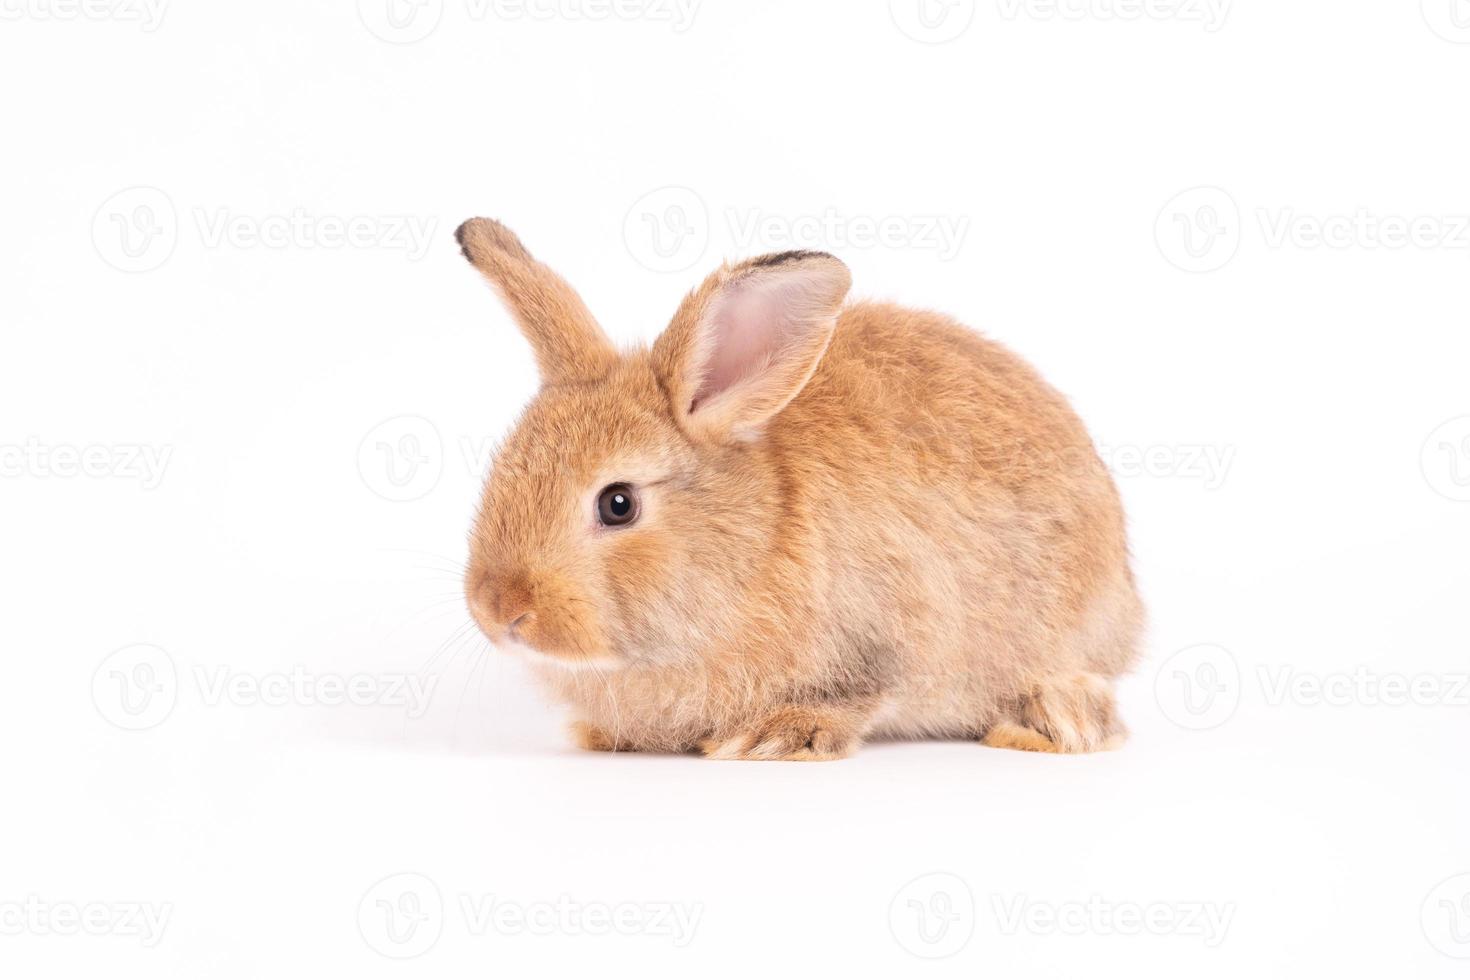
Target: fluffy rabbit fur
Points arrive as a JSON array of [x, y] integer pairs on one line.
[[853, 521]]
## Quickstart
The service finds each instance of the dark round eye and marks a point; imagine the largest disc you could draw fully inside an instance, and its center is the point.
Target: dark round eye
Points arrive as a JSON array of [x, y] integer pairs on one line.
[[617, 505]]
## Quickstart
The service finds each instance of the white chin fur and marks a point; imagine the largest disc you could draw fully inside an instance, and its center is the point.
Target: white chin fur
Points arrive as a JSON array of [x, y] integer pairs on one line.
[[535, 656]]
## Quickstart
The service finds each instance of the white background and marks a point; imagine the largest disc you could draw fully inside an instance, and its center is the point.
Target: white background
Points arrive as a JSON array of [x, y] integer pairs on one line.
[[1200, 220]]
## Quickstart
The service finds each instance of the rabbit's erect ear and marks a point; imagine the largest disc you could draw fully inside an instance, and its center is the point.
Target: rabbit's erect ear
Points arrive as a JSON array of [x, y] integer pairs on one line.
[[569, 344], [745, 342]]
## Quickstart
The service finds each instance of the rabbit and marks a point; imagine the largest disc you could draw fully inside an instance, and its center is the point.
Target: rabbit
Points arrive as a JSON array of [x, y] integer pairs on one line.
[[795, 523]]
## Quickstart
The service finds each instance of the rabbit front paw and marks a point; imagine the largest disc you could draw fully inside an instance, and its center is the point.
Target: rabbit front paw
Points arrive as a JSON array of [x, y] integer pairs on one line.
[[594, 739], [796, 733]]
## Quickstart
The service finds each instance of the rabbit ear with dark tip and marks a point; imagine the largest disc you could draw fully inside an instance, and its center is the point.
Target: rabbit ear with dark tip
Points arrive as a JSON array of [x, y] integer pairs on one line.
[[747, 340], [568, 343]]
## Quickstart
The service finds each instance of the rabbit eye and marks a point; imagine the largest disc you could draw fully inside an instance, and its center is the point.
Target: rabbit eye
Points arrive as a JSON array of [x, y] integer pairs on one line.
[[617, 505]]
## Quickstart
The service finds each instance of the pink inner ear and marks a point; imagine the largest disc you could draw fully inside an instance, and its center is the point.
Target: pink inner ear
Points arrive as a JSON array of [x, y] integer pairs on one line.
[[747, 330]]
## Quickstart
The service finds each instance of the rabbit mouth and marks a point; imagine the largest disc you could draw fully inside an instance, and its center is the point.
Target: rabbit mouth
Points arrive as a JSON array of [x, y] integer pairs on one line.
[[516, 646]]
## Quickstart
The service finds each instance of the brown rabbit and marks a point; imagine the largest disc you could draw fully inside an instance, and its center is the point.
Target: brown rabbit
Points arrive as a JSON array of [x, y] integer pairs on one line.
[[793, 524]]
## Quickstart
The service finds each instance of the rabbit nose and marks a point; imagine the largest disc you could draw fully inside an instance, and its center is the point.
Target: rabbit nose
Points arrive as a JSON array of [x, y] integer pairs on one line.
[[501, 607], [513, 629], [514, 606]]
